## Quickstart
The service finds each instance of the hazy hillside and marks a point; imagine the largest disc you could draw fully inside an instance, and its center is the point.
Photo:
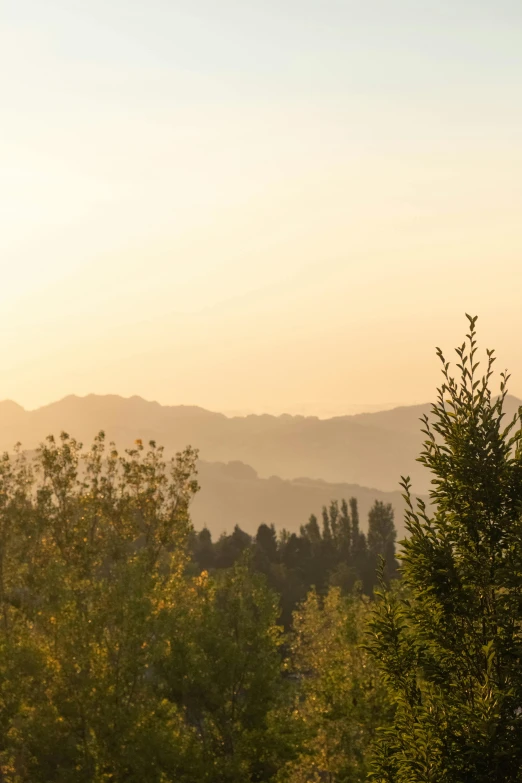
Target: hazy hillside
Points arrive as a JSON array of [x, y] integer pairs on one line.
[[371, 449], [234, 494]]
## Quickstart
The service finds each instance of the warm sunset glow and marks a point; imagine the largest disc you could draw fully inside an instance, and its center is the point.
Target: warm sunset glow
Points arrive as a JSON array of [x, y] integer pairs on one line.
[[256, 206]]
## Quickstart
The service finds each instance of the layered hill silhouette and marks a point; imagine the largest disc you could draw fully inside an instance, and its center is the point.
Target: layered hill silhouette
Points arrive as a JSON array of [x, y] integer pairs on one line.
[[341, 456], [233, 494], [370, 449]]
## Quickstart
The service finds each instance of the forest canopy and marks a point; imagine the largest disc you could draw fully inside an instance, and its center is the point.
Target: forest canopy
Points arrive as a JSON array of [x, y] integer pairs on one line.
[[133, 648]]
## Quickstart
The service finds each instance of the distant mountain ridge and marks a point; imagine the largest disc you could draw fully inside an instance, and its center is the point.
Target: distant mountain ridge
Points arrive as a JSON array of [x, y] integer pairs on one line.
[[233, 494], [366, 449]]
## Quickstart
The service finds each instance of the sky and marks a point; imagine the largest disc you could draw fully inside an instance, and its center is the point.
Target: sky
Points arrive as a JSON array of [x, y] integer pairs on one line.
[[268, 205]]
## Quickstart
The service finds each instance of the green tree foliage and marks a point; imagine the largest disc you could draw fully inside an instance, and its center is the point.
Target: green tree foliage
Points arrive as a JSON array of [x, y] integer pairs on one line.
[[449, 641], [224, 668], [230, 548], [381, 538], [333, 553], [202, 549], [339, 699], [115, 663], [266, 540], [92, 555]]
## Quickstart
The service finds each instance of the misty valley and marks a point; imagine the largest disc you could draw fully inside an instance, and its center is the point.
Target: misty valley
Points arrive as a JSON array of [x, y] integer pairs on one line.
[[278, 629], [255, 527]]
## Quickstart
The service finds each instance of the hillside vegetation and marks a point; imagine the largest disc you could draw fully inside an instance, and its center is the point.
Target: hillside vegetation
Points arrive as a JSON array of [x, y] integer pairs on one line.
[[135, 648]]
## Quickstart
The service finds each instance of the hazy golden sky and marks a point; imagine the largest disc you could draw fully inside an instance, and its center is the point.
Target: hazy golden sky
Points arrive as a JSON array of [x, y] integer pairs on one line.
[[263, 205]]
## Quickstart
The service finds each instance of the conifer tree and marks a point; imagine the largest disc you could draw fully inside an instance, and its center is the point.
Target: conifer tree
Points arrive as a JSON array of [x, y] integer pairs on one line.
[[311, 531], [381, 538], [266, 539], [449, 639], [358, 538], [327, 531], [345, 532]]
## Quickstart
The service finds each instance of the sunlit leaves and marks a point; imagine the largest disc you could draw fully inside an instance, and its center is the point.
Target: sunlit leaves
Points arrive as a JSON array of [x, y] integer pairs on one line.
[[92, 544], [449, 644], [339, 700]]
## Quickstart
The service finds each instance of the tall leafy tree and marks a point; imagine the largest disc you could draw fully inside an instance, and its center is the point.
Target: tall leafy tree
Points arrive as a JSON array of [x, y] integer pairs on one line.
[[92, 554], [224, 668], [266, 541], [339, 701], [449, 641], [345, 533], [381, 538], [117, 663], [202, 548], [359, 546]]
